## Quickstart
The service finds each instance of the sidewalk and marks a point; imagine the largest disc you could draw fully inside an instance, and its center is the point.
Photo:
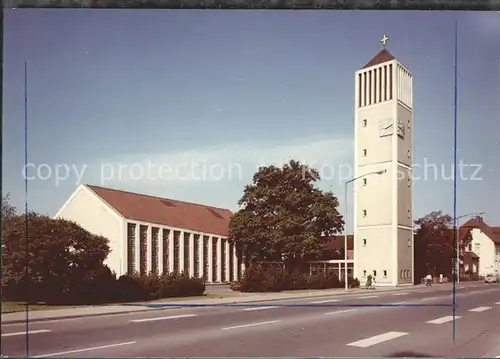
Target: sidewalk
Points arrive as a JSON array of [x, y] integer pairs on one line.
[[93, 311]]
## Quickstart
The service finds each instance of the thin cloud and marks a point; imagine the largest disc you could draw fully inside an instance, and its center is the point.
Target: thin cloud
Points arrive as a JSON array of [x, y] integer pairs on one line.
[[223, 163]]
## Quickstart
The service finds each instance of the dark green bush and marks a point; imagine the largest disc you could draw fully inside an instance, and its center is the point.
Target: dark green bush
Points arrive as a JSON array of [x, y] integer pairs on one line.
[[260, 279]]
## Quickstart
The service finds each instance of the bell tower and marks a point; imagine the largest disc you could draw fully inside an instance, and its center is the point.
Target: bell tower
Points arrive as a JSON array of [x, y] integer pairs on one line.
[[383, 220]]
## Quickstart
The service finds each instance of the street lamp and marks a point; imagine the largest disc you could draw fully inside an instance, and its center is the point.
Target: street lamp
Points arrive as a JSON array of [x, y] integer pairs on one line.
[[457, 260], [346, 277]]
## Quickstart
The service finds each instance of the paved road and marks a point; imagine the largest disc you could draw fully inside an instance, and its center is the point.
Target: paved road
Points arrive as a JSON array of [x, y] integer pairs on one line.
[[340, 325]]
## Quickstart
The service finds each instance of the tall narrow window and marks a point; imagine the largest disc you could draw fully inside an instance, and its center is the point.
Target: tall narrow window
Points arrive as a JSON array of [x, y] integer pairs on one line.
[[365, 122], [390, 82], [365, 95], [364, 181], [360, 84], [364, 213], [364, 152], [380, 98], [364, 242], [369, 88]]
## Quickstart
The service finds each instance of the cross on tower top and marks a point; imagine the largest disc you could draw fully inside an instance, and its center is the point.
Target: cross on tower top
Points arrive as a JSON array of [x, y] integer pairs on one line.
[[384, 40]]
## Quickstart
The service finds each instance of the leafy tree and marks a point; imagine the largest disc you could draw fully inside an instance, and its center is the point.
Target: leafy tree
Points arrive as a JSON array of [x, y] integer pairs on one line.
[[56, 258], [435, 248], [7, 208], [283, 215]]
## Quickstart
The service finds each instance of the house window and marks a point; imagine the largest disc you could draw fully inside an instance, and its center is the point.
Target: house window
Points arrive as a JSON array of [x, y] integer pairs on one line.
[[364, 152], [364, 181], [409, 241], [364, 213], [385, 273], [477, 248], [409, 153], [470, 247], [365, 122], [364, 273], [374, 273], [409, 214], [409, 182], [364, 242]]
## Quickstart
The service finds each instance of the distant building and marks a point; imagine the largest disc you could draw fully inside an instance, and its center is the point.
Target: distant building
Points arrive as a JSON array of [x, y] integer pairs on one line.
[[383, 136], [485, 244], [153, 234]]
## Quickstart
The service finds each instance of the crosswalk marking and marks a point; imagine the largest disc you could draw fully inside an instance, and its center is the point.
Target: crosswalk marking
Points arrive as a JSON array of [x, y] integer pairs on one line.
[[368, 342], [442, 320], [479, 309], [401, 293], [368, 297]]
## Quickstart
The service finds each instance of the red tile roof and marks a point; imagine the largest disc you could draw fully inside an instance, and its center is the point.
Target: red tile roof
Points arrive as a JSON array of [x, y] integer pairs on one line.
[[381, 57], [167, 212], [492, 232]]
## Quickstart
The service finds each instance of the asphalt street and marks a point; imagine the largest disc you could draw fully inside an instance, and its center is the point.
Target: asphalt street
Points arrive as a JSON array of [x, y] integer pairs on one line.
[[364, 324]]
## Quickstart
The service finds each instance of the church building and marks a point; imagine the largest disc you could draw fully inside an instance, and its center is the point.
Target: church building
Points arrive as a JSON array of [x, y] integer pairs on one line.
[[383, 221], [152, 234]]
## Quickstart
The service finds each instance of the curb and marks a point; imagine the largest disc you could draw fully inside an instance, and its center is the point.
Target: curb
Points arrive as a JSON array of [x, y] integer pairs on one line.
[[20, 321]]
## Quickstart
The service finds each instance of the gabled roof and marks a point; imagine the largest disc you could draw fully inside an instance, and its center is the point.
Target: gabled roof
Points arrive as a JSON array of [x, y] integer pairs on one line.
[[167, 212], [492, 232], [383, 56]]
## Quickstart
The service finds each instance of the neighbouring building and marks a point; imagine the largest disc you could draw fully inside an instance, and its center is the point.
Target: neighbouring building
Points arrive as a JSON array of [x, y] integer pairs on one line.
[[153, 234], [383, 223], [485, 244]]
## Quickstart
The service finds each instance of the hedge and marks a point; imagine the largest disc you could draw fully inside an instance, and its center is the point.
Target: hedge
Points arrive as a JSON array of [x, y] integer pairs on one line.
[[103, 287], [260, 279]]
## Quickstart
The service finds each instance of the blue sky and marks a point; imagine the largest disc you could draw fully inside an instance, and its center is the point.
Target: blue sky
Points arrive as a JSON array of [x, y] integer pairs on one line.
[[237, 89]]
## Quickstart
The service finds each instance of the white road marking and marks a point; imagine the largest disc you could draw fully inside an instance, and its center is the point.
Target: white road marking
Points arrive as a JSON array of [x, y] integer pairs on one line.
[[368, 342], [368, 297], [398, 303], [83, 350], [325, 301], [442, 320], [24, 333], [400, 293], [250, 325], [497, 303], [259, 308], [163, 318], [341, 311], [479, 309], [430, 298]]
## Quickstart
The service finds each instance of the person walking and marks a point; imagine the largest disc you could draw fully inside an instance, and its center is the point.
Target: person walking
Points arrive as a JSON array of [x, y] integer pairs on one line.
[[428, 280]]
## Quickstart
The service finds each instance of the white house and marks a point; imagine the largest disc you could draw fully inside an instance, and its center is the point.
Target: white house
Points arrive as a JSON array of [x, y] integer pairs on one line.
[[383, 220], [155, 234], [485, 243]]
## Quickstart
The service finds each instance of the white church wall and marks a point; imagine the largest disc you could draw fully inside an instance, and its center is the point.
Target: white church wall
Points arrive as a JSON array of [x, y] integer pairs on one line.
[[91, 213]]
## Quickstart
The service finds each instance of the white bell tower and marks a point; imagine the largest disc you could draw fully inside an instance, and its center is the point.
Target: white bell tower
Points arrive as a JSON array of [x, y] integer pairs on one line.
[[383, 220]]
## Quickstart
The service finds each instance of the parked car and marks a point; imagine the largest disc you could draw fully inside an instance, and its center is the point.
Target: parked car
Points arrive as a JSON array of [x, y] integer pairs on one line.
[[492, 278]]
